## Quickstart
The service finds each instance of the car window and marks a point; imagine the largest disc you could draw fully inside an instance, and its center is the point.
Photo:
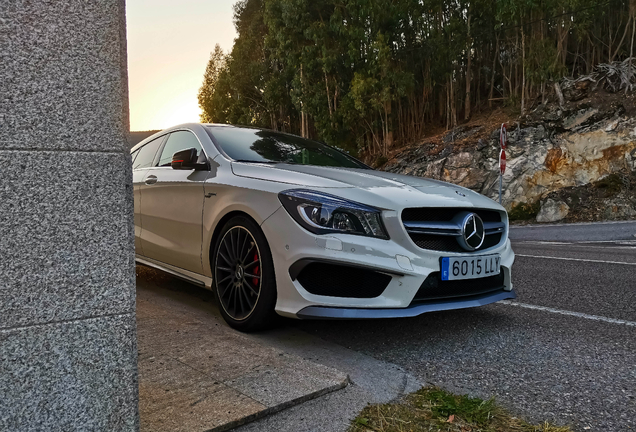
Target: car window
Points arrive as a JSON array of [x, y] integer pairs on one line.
[[147, 154], [134, 155], [177, 141], [257, 145]]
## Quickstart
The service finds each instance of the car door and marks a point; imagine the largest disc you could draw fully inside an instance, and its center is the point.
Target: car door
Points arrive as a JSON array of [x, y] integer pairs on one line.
[[142, 160], [172, 206]]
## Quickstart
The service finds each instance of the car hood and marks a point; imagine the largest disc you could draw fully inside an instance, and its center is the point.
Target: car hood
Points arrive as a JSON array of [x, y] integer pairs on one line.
[[373, 187]]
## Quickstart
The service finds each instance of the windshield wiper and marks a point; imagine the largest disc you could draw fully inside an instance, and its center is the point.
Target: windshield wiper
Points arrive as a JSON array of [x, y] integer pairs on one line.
[[264, 161], [255, 161]]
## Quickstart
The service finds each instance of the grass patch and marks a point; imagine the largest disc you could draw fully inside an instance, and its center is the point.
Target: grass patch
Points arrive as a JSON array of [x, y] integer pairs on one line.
[[524, 211], [433, 409]]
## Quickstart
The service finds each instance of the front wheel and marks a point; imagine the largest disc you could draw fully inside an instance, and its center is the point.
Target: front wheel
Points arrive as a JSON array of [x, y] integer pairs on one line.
[[244, 281]]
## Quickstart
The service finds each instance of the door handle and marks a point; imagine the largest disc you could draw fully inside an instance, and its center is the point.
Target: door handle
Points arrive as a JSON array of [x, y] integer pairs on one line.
[[151, 179]]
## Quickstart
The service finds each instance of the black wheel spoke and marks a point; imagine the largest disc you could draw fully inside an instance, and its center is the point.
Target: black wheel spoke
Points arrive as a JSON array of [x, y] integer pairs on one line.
[[226, 245], [226, 259], [238, 291], [246, 283], [225, 291], [245, 267], [243, 245], [225, 278], [250, 304], [246, 256], [234, 245], [239, 294]]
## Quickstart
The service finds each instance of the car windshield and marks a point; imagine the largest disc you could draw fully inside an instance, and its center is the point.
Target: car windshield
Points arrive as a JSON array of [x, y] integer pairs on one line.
[[264, 146]]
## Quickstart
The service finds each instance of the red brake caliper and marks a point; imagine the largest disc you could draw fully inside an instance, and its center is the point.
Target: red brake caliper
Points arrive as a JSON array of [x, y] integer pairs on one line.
[[256, 271]]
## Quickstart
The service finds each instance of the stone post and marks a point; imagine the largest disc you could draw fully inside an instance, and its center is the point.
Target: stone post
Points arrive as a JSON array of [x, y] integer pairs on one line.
[[68, 355]]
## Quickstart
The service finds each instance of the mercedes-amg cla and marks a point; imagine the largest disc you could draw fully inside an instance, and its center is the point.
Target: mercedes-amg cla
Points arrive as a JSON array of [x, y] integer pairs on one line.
[[277, 224]]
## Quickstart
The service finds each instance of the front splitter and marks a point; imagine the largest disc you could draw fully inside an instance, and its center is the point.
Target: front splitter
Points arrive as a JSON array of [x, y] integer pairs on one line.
[[325, 312]]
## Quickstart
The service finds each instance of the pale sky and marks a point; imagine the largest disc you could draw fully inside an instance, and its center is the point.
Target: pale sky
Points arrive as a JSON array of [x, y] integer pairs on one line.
[[169, 45]]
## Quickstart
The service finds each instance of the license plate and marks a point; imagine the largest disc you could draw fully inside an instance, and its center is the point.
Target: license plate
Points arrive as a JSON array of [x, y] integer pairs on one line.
[[456, 268]]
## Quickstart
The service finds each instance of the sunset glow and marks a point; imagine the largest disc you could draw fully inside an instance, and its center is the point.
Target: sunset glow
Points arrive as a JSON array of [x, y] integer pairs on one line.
[[169, 44]]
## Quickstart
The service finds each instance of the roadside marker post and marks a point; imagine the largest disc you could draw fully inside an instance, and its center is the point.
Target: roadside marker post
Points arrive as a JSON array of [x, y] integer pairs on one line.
[[503, 137]]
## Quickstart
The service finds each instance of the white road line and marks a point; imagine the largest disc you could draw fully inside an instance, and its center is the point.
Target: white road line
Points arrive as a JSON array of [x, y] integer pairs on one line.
[[615, 247], [552, 243], [571, 224], [570, 313], [579, 243], [576, 259]]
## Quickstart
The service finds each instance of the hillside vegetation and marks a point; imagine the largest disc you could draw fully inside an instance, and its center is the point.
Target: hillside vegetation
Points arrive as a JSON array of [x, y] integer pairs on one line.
[[370, 76]]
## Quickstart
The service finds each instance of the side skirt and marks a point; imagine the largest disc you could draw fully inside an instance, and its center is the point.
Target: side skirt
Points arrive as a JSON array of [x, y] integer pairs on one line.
[[188, 276]]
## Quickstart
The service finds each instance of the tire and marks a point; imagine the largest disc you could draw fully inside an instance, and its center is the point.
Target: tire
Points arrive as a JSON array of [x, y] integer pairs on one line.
[[244, 282]]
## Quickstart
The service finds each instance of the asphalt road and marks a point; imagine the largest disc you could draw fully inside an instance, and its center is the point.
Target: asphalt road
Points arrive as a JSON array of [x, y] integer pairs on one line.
[[564, 351]]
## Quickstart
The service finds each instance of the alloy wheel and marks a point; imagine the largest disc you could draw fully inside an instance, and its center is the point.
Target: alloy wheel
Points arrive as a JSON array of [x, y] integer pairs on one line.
[[238, 271]]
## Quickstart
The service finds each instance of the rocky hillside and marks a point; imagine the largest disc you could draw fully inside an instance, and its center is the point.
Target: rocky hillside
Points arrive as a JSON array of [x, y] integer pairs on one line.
[[567, 147]]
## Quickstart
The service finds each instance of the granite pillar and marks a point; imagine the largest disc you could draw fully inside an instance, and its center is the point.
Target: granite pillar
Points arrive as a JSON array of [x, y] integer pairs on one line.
[[68, 356]]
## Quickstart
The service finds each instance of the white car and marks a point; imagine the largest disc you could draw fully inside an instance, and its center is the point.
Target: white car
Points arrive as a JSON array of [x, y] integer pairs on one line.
[[277, 224]]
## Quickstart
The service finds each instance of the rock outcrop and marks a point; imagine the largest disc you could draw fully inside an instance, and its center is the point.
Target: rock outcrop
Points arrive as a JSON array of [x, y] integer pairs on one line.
[[552, 211], [552, 148]]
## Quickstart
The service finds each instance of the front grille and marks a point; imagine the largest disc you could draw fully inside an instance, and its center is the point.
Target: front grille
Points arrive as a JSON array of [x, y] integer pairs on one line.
[[434, 288], [335, 280], [438, 229]]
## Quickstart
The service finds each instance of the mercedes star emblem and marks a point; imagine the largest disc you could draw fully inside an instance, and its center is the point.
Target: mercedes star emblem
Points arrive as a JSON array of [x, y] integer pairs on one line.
[[472, 232]]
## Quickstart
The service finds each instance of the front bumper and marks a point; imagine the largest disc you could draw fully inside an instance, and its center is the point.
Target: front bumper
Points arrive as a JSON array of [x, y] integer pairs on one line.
[[399, 257], [322, 312]]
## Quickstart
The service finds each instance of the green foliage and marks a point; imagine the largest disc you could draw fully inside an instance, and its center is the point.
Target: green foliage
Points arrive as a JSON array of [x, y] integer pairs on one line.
[[542, 62], [472, 410], [524, 211], [368, 75]]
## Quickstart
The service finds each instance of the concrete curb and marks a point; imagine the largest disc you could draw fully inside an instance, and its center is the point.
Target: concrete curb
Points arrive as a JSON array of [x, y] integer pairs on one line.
[[280, 407]]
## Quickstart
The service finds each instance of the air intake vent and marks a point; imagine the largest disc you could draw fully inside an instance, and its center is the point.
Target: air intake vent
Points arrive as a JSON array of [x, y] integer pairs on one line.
[[336, 280], [434, 288]]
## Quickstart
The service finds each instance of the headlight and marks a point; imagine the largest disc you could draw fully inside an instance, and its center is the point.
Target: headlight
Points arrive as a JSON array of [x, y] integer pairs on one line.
[[322, 213]]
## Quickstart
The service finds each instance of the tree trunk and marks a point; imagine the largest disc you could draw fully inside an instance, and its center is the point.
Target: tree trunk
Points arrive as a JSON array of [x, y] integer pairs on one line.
[[303, 118], [492, 78], [557, 89], [618, 48], [523, 70], [468, 66]]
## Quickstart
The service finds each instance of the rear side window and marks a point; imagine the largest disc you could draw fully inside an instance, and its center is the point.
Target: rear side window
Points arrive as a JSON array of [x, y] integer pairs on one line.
[[134, 155], [146, 154], [177, 141]]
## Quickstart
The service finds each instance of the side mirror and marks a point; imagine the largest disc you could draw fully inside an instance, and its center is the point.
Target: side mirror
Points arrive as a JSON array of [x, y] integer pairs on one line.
[[187, 160]]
